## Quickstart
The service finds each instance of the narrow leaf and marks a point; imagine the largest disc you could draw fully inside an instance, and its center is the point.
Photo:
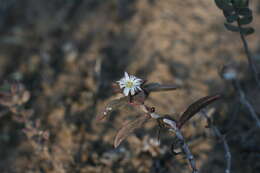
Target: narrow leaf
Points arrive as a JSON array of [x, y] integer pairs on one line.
[[219, 4], [224, 5], [195, 108], [153, 87], [245, 20], [245, 11], [227, 14], [247, 31], [129, 128], [232, 28], [240, 3], [244, 31]]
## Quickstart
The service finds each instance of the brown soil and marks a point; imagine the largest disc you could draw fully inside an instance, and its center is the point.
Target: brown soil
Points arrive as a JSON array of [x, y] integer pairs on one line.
[[68, 53]]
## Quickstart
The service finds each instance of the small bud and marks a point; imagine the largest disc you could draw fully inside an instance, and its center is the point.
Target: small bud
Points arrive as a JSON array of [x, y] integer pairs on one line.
[[229, 73]]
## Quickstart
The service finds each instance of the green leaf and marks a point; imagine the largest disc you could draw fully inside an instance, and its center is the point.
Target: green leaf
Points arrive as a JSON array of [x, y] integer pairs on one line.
[[244, 31], [247, 31], [232, 28], [224, 5], [219, 4], [245, 20], [232, 18], [245, 11], [240, 3]]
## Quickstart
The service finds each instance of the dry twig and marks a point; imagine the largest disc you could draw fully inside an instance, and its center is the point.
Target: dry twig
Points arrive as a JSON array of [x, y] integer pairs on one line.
[[245, 102], [217, 132]]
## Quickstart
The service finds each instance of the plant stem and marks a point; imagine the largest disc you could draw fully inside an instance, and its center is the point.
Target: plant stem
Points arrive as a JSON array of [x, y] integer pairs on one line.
[[249, 56], [217, 132], [185, 147], [172, 126], [246, 103]]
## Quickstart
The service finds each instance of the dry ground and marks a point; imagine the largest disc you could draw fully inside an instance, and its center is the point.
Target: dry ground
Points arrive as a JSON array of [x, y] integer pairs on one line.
[[67, 53]]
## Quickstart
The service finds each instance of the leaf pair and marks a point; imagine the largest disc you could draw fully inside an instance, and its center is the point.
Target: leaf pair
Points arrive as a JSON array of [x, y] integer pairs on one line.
[[243, 16], [236, 11], [227, 5], [244, 31], [137, 99], [194, 108]]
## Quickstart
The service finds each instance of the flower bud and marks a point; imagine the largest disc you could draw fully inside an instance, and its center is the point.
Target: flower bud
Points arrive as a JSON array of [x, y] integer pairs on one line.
[[229, 72]]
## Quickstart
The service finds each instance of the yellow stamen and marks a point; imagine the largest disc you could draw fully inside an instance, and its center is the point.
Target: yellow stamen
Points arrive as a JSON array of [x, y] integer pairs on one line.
[[129, 84]]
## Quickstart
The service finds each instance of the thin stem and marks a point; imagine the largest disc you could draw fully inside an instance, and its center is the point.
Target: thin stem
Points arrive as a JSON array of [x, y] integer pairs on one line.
[[249, 56], [217, 132], [246, 103], [184, 146], [172, 126]]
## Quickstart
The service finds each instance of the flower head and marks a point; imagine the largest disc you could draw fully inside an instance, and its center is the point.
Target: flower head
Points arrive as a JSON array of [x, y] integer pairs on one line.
[[130, 84]]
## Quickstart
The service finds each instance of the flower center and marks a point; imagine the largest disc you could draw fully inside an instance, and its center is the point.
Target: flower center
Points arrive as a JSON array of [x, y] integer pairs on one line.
[[129, 84]]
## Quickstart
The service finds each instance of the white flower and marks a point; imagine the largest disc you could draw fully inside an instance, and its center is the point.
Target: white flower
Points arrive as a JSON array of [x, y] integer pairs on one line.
[[130, 84]]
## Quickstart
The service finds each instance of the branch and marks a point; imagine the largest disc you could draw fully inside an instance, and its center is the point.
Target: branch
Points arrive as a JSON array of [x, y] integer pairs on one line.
[[172, 126], [217, 132], [249, 56], [184, 146], [245, 102]]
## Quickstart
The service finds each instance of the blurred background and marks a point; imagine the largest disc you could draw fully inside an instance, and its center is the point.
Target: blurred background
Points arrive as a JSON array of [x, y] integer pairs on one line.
[[67, 53]]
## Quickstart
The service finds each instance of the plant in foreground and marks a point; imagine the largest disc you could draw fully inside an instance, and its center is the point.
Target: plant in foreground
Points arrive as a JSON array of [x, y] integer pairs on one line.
[[136, 91]]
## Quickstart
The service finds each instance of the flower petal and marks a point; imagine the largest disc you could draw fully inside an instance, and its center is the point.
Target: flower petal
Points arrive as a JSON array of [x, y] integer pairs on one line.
[[130, 84], [139, 88], [137, 82], [132, 91], [126, 76], [126, 91], [132, 77]]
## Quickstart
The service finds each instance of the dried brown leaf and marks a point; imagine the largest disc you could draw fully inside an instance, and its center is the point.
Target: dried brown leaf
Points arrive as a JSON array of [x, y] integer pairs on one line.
[[129, 128], [196, 107]]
